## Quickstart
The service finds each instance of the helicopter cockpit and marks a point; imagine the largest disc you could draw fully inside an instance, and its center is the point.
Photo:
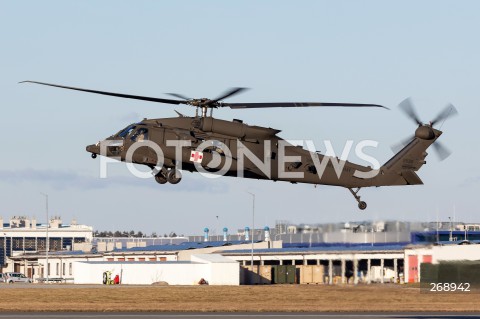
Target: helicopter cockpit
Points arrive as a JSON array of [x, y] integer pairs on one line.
[[131, 134]]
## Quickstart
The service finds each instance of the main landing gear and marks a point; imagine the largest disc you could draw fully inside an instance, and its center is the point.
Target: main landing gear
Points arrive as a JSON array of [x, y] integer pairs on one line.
[[361, 204], [173, 176]]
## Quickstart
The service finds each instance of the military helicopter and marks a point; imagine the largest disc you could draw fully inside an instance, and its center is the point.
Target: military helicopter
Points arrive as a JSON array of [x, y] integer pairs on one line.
[[232, 148]]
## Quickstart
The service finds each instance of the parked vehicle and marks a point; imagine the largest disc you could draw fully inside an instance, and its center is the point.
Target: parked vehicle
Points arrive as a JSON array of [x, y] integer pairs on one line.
[[2, 277], [12, 277]]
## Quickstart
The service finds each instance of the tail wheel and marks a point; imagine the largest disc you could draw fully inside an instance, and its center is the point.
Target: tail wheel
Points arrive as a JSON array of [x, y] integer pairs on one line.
[[174, 176], [362, 205]]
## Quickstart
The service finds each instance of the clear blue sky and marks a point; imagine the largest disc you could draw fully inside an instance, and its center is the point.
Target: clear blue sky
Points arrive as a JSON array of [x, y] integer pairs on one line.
[[336, 51]]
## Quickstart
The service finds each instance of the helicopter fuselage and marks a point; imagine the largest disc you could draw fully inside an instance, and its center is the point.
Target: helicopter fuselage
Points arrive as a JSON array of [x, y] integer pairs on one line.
[[229, 148]]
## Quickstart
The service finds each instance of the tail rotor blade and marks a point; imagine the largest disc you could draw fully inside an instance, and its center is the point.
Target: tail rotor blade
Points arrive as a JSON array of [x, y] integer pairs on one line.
[[407, 107], [447, 112], [441, 150]]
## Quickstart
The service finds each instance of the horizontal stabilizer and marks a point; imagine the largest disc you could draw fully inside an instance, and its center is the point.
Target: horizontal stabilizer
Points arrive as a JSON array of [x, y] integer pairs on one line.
[[411, 177]]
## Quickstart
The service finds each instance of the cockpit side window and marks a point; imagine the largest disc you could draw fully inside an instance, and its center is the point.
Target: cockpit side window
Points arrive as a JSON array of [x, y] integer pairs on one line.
[[140, 135]]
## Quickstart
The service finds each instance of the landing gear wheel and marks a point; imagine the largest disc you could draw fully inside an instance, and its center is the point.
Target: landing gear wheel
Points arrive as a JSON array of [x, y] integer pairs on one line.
[[159, 178], [94, 156], [362, 205], [161, 175], [174, 176]]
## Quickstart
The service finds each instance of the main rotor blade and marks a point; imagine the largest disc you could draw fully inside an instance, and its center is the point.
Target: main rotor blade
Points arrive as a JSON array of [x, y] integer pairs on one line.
[[127, 96], [179, 96], [442, 151], [297, 104], [228, 93], [447, 112], [407, 107]]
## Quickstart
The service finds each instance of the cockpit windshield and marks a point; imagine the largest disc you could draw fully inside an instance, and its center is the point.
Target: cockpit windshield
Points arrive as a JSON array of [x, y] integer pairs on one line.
[[126, 131]]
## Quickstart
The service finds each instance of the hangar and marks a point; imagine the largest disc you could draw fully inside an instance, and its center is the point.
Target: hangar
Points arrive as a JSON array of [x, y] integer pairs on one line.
[[214, 269], [326, 265]]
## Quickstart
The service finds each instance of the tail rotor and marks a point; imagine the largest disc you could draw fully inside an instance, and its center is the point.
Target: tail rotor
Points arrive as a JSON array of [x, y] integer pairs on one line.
[[425, 131]]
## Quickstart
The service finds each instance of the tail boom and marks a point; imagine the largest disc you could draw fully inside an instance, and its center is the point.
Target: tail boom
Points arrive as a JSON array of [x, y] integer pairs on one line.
[[401, 168]]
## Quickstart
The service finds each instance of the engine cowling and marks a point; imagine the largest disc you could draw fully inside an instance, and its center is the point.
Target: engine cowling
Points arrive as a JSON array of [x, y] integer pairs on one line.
[[236, 129]]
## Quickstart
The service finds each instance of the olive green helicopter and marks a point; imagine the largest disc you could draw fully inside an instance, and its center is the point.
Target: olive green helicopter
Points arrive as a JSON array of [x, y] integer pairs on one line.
[[208, 145]]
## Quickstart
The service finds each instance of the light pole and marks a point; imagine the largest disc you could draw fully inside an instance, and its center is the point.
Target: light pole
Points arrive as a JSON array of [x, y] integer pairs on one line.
[[451, 234], [253, 223], [46, 236], [4, 249]]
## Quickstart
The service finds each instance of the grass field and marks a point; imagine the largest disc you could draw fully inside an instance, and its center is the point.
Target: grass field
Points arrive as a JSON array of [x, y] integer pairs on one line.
[[288, 298]]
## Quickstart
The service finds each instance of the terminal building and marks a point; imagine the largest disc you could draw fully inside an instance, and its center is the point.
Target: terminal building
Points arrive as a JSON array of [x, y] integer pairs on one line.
[[23, 236]]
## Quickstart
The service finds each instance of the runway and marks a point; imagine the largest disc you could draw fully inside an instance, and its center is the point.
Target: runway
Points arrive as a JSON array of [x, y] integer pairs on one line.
[[203, 315]]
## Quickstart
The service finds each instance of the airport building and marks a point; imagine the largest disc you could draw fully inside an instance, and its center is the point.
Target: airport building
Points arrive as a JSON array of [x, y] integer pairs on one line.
[[22, 236], [213, 269], [346, 253]]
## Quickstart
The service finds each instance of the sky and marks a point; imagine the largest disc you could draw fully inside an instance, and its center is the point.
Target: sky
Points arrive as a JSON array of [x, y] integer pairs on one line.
[[333, 51]]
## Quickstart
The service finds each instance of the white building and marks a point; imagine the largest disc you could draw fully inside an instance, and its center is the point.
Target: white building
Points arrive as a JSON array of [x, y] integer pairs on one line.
[[215, 269]]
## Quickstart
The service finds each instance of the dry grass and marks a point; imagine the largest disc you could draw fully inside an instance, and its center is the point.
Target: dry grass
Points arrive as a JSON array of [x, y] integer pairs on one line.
[[306, 298]]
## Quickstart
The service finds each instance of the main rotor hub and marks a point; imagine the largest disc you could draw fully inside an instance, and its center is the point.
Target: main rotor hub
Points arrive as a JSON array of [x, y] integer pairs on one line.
[[203, 102]]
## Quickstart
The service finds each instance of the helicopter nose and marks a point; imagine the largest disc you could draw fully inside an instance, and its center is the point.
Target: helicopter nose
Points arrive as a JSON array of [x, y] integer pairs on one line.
[[94, 149]]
